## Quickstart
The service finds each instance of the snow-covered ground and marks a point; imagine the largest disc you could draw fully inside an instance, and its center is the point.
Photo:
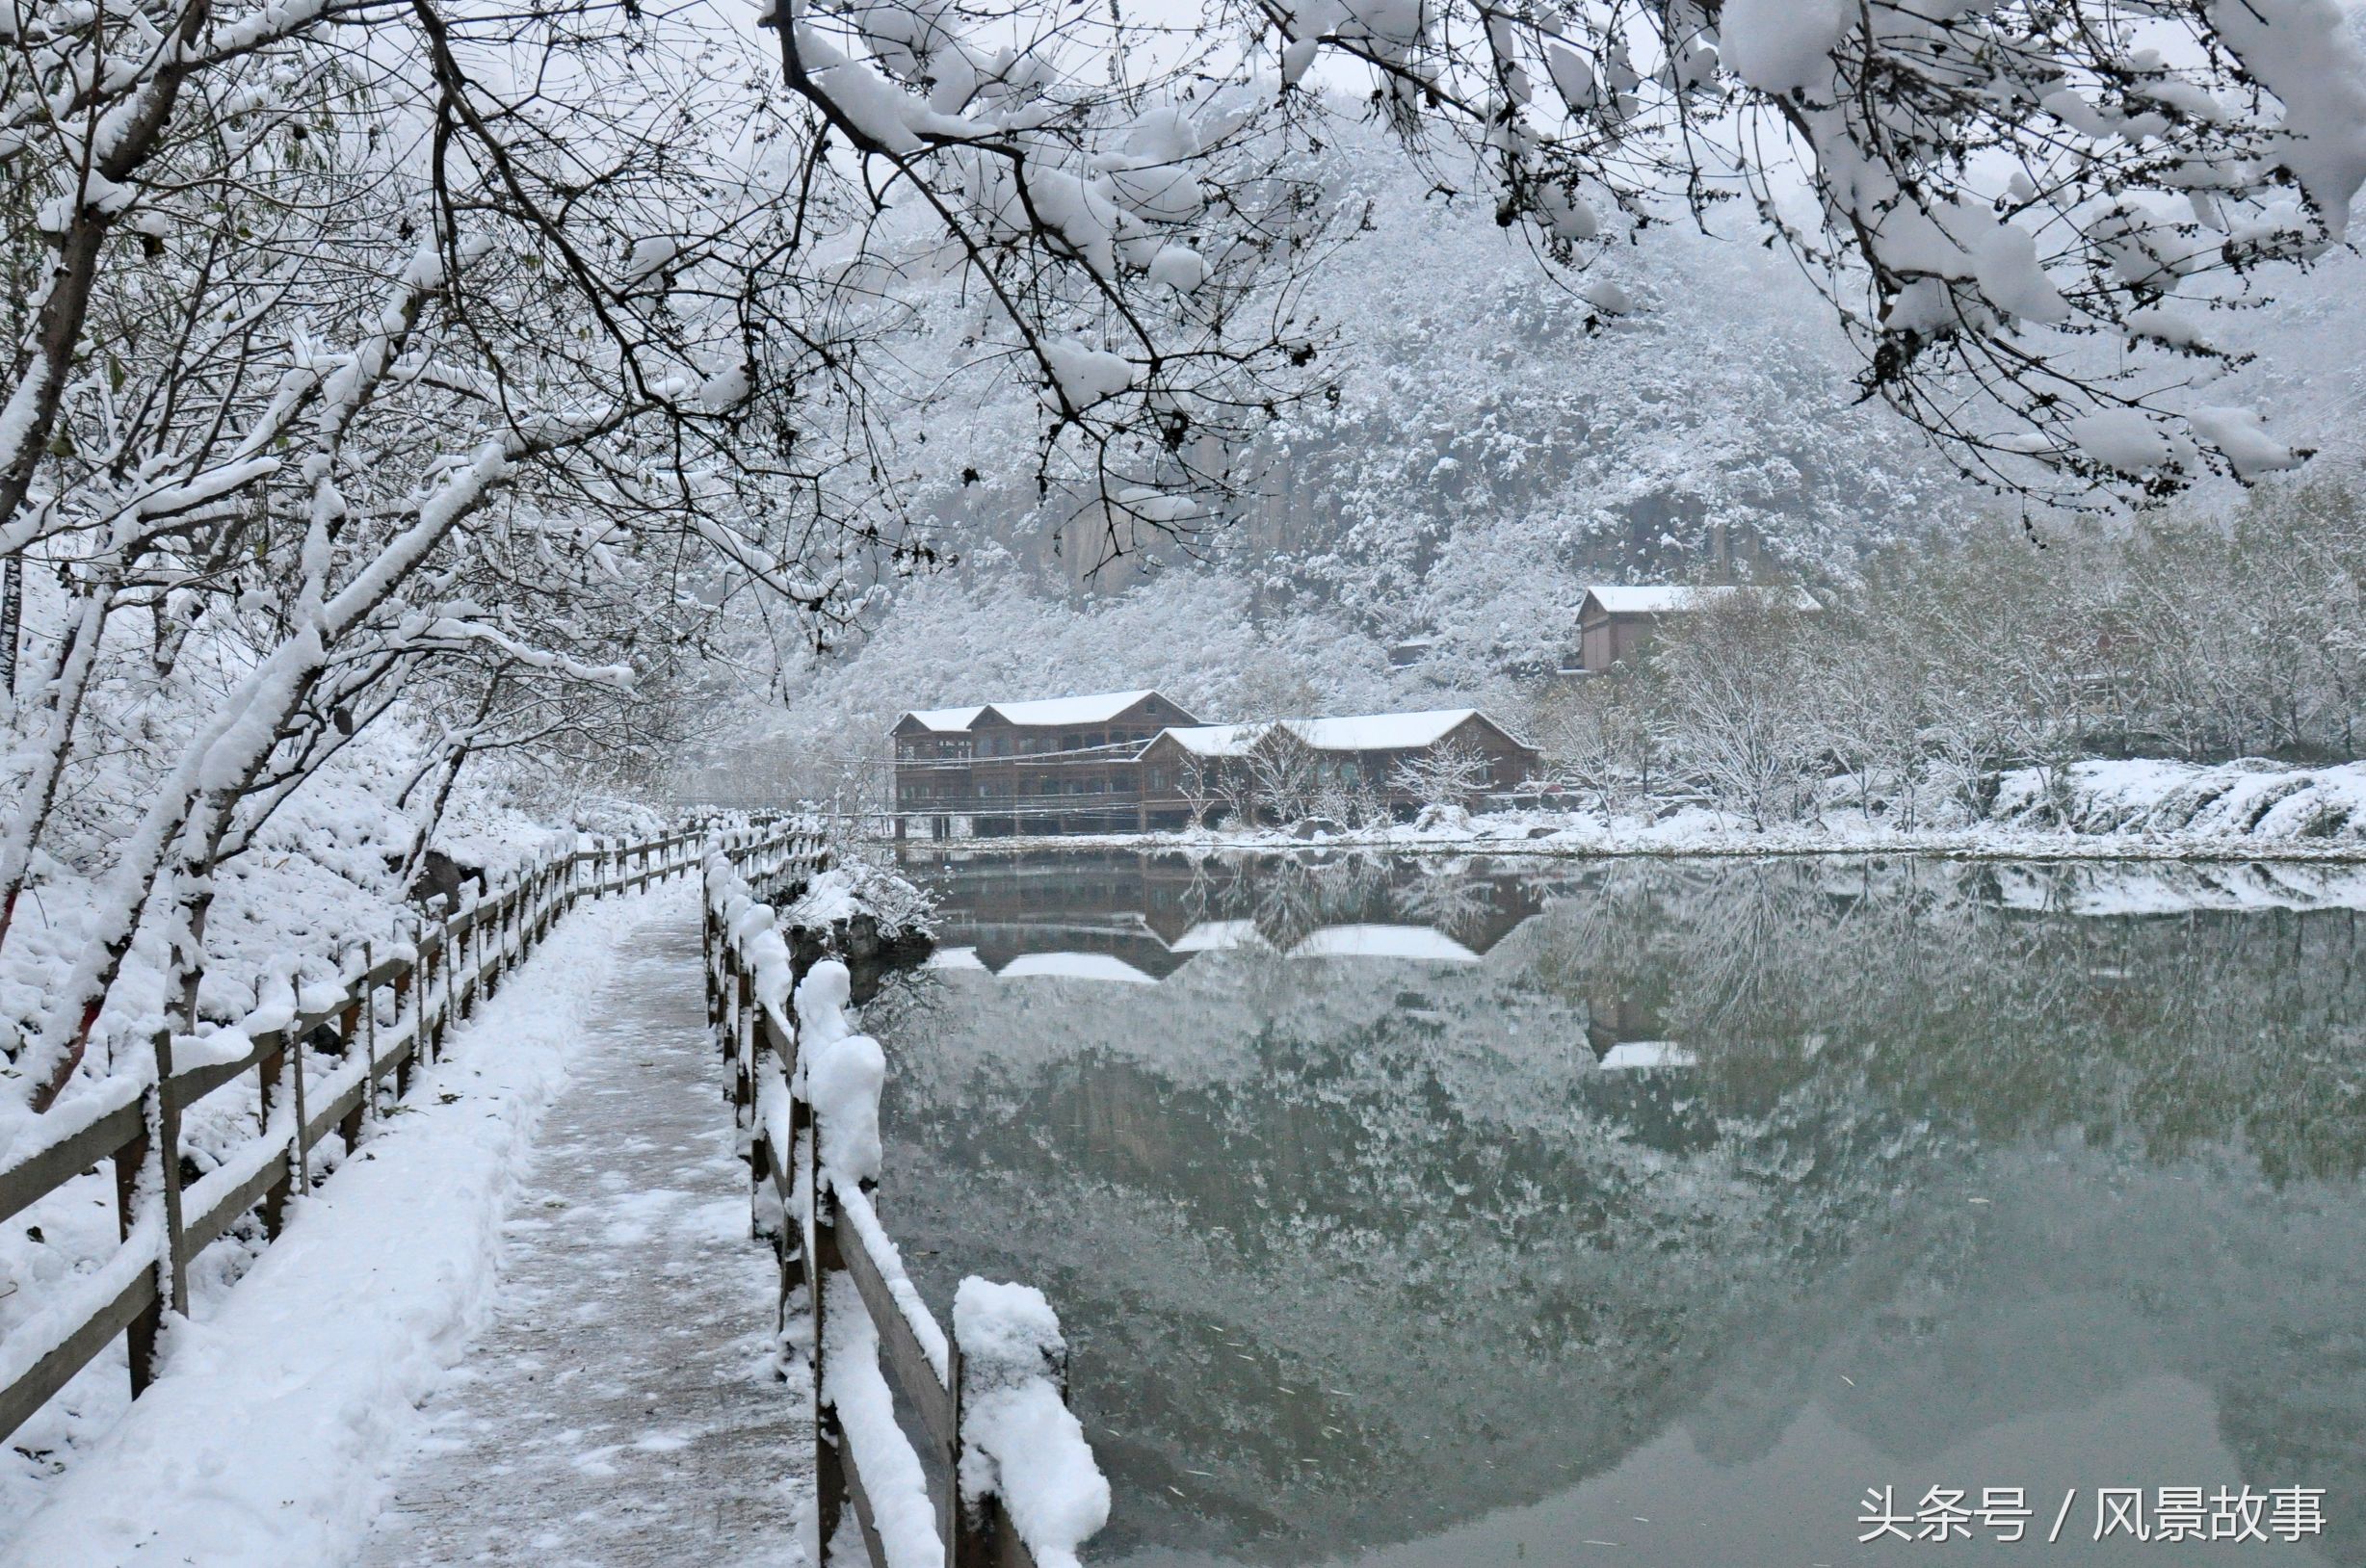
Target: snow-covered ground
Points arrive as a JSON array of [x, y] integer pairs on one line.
[[268, 1438], [2244, 810]]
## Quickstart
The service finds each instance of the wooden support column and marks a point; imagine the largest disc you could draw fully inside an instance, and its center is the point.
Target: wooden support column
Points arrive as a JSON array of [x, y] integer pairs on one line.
[[796, 1267], [422, 1042], [437, 999], [706, 965], [299, 1152], [467, 958], [968, 1533]]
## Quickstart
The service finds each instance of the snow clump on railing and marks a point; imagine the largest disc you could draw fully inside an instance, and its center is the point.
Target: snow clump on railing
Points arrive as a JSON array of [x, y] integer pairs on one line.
[[1019, 1440]]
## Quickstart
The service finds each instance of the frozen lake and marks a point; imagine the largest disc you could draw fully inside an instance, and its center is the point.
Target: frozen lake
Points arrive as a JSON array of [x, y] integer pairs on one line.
[[1652, 1211]]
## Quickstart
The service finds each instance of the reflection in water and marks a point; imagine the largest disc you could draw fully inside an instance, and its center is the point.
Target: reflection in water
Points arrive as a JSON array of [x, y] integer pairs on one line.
[[1472, 1215]]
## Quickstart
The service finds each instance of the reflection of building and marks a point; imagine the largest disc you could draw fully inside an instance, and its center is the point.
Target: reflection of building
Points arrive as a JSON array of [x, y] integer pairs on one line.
[[1616, 621], [1084, 915]]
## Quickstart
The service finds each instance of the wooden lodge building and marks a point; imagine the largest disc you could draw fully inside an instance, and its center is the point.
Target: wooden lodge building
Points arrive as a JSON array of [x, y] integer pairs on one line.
[[1363, 750], [1057, 764], [1133, 761]]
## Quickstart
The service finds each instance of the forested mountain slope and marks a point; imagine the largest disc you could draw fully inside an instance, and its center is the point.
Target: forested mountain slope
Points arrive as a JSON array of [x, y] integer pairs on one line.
[[1494, 445]]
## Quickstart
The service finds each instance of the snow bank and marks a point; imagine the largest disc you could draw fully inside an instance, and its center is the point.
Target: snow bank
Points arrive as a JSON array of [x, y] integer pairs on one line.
[[266, 1439], [2248, 798], [843, 1073], [855, 886], [1019, 1439]]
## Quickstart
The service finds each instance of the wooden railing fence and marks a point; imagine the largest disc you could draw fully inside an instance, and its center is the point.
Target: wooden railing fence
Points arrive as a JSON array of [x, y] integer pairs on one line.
[[1013, 1481], [132, 1123]]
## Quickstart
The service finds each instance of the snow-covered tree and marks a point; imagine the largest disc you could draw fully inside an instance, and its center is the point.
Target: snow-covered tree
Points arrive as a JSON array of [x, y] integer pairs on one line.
[[1978, 190], [460, 381]]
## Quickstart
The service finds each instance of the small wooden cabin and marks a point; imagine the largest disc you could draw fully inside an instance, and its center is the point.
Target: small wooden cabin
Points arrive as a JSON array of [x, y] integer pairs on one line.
[[1616, 621]]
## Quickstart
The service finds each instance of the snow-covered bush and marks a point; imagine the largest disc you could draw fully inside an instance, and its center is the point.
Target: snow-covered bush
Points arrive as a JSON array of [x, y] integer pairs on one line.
[[1452, 774]]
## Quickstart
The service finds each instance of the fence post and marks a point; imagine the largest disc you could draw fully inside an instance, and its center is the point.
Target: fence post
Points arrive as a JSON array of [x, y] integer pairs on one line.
[[402, 987], [797, 1264], [829, 1469], [140, 1335], [435, 1004], [496, 961], [348, 1029], [300, 1153], [707, 956], [272, 1070], [742, 1031], [968, 1533], [470, 955], [171, 1266]]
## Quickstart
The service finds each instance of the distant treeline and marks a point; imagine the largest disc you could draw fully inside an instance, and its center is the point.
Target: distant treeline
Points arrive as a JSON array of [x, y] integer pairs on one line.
[[2175, 637]]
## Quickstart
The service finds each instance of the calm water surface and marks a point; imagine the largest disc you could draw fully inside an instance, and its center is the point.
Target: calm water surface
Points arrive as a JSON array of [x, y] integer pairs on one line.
[[1650, 1213]]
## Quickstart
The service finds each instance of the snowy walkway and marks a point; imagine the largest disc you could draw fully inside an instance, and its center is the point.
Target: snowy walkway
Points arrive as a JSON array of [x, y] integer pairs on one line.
[[619, 1408]]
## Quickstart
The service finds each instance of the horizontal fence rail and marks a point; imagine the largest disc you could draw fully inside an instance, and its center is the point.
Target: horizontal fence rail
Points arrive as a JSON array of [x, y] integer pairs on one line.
[[132, 1123], [1014, 1482]]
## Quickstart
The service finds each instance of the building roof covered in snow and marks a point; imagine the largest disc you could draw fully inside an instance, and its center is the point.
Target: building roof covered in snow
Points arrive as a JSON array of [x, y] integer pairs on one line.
[[947, 721], [1099, 708], [1212, 740], [1360, 732], [1670, 598]]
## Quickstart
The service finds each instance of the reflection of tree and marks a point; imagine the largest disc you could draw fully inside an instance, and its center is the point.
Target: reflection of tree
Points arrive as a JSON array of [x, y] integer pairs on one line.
[[1454, 901], [1291, 1163]]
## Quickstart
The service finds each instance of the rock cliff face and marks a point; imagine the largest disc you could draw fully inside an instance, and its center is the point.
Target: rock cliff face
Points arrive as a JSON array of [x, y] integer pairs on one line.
[[1356, 1249]]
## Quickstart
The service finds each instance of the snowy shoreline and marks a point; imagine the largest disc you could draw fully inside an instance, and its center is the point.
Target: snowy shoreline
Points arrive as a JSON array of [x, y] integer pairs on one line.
[[1730, 845], [2245, 810]]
